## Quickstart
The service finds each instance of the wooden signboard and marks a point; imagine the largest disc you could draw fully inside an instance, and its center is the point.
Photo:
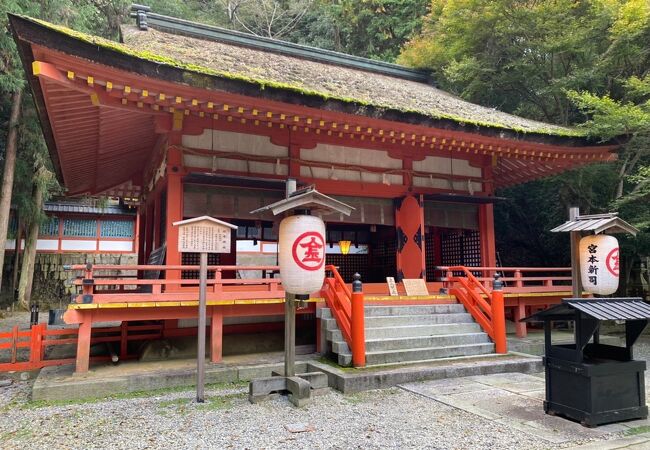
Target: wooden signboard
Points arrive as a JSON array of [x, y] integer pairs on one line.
[[204, 235], [392, 287], [415, 286]]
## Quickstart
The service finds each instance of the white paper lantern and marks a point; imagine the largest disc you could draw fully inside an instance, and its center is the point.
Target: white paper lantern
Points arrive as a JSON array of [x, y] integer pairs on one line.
[[302, 254], [599, 264]]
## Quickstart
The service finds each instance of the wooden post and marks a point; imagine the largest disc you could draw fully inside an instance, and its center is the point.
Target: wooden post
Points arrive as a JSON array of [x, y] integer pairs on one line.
[[486, 226], [574, 212], [216, 335], [499, 317], [124, 335], [289, 335], [83, 345], [358, 324], [520, 313], [200, 357]]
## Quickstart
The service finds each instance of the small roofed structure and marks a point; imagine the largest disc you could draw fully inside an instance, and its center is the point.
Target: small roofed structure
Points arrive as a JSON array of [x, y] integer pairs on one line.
[[587, 380], [598, 223]]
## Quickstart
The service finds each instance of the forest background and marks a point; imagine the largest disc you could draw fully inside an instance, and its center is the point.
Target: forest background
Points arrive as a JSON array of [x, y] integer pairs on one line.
[[583, 63]]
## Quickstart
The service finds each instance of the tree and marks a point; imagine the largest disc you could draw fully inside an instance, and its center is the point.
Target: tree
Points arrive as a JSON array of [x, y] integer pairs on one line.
[[11, 83], [268, 18], [22, 147], [372, 28], [561, 61], [39, 190], [519, 56]]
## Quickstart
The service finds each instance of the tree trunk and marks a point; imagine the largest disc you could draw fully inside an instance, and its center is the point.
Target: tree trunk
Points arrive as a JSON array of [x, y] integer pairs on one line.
[[29, 255], [8, 175], [17, 252]]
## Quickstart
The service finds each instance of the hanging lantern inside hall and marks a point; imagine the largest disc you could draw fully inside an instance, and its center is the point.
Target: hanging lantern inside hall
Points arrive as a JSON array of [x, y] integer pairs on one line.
[[345, 247], [302, 254], [599, 268]]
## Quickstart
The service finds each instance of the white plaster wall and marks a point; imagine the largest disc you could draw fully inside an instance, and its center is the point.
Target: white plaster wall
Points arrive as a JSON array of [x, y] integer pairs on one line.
[[438, 164], [227, 141]]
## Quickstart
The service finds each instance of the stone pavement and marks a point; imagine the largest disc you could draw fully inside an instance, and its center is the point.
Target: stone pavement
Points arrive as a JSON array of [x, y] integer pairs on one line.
[[516, 400]]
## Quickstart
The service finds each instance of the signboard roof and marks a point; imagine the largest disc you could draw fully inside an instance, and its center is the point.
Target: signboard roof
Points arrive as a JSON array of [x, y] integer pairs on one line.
[[202, 218]]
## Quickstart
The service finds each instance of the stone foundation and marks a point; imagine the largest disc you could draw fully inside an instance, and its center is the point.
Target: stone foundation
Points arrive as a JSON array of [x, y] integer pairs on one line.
[[52, 284]]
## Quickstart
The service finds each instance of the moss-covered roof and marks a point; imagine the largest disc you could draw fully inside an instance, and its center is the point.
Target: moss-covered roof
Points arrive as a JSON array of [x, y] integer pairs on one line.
[[310, 78], [329, 81]]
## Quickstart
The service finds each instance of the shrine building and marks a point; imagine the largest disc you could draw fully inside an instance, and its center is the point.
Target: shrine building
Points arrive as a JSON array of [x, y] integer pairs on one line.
[[186, 120]]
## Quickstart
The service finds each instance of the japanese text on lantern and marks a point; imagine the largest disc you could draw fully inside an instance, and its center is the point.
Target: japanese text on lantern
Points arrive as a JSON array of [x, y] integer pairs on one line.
[[204, 237], [592, 269]]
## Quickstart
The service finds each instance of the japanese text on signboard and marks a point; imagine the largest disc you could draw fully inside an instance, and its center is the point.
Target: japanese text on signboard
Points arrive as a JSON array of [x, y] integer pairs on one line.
[[204, 237]]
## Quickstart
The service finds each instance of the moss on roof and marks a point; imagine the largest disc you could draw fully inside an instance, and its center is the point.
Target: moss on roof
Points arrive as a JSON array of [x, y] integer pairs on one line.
[[310, 78]]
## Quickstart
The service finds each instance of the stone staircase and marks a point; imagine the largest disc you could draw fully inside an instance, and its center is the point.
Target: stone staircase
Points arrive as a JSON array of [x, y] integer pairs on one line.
[[410, 333]]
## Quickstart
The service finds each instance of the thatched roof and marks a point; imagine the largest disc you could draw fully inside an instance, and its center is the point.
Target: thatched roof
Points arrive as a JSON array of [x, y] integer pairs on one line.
[[329, 81]]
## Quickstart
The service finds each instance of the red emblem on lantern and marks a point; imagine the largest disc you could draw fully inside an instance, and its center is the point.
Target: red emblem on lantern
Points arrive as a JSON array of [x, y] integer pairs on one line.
[[309, 250], [612, 262]]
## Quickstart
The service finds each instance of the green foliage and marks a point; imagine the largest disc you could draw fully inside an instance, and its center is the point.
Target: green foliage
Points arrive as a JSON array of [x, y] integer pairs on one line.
[[370, 28], [563, 61], [522, 56]]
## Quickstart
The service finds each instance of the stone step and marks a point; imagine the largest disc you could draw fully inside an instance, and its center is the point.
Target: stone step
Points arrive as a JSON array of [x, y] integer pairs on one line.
[[381, 377], [339, 347], [405, 310], [446, 340], [411, 331], [415, 310], [395, 321], [419, 354]]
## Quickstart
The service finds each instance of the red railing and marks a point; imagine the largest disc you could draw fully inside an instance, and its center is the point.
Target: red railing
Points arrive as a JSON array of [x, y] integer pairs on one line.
[[39, 338], [348, 310], [516, 279], [485, 306], [99, 288]]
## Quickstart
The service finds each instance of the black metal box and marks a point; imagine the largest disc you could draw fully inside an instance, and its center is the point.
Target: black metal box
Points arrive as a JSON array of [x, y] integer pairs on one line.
[[591, 382]]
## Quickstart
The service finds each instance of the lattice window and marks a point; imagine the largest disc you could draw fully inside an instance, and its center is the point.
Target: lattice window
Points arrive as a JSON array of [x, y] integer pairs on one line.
[[348, 265], [194, 259], [80, 228], [116, 229], [50, 227], [429, 255], [472, 248], [384, 261], [461, 248]]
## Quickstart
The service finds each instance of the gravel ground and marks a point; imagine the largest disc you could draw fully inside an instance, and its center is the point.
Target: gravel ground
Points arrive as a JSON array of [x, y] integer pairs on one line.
[[377, 419], [390, 418]]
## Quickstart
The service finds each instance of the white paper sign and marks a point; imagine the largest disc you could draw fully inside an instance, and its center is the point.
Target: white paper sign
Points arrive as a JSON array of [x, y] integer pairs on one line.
[[392, 287]]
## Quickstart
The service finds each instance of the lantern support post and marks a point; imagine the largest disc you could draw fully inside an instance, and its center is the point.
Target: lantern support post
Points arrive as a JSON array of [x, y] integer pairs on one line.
[[574, 212], [289, 335]]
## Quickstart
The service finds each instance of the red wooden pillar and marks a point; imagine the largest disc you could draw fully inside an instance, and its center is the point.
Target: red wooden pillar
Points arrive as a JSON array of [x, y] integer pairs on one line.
[[140, 234], [216, 335], [83, 344], [486, 227], [174, 209], [409, 222], [486, 222]]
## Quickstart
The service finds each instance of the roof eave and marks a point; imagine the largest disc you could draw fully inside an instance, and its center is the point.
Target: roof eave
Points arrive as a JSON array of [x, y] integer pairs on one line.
[[27, 58], [27, 32]]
